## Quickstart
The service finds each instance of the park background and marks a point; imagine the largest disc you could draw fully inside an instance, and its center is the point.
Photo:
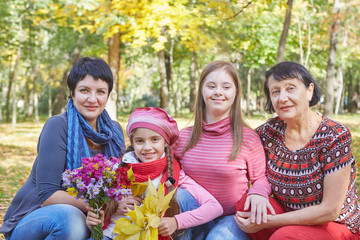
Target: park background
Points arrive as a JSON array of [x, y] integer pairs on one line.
[[156, 50]]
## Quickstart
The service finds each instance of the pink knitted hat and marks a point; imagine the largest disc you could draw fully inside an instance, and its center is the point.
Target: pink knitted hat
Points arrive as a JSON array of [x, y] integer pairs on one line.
[[156, 119]]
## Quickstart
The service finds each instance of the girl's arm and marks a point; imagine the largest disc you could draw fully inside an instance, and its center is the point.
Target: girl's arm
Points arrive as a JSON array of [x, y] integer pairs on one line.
[[257, 201], [335, 188], [209, 208], [256, 163]]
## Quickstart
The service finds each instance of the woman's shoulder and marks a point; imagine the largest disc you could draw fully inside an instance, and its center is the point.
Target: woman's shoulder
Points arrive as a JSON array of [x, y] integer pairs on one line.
[[55, 126], [332, 128], [57, 120], [273, 123], [117, 124]]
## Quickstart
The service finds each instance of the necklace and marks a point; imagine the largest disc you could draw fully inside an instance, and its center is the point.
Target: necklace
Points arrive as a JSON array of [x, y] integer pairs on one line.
[[92, 145]]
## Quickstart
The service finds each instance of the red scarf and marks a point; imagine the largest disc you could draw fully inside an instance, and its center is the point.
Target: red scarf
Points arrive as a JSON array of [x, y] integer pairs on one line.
[[153, 169]]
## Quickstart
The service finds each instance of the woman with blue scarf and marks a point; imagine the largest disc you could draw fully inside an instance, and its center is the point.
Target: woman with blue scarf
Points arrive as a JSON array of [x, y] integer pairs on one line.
[[42, 209]]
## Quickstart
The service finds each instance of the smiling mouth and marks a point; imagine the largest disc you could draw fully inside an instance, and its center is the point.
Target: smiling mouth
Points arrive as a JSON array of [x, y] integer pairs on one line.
[[91, 107], [148, 155], [285, 108]]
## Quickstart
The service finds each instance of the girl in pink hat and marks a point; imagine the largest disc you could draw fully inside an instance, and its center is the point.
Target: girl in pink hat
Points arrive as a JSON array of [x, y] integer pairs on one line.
[[222, 154], [152, 132]]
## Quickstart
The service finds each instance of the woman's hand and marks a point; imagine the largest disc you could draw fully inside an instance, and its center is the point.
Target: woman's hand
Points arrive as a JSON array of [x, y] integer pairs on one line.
[[259, 206], [168, 226], [92, 219], [126, 204], [242, 219]]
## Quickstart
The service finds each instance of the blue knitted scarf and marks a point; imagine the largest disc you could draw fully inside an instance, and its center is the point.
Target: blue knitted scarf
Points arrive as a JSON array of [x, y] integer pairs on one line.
[[109, 137]]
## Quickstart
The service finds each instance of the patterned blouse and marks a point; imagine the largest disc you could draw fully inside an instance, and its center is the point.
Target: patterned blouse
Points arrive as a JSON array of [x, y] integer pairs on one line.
[[297, 177]]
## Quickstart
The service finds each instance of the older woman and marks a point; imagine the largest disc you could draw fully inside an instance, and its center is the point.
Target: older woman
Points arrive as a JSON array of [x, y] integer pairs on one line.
[[42, 209], [310, 165]]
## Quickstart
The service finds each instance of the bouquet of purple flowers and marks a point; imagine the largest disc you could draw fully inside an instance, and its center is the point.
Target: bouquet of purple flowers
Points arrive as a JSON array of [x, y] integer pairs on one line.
[[97, 181]]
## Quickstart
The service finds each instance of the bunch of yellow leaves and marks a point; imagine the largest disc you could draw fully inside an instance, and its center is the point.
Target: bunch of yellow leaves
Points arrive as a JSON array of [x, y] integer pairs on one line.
[[146, 218]]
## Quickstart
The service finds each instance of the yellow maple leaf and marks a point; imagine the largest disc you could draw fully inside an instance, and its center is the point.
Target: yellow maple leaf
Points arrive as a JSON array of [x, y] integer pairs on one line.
[[136, 187], [124, 227], [147, 217]]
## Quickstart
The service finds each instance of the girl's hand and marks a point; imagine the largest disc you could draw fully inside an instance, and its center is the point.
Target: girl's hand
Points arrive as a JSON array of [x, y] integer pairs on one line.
[[259, 206], [92, 218], [167, 226], [242, 219], [126, 204]]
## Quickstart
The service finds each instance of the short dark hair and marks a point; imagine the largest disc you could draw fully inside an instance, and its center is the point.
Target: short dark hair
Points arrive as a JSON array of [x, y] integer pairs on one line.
[[287, 70], [96, 67]]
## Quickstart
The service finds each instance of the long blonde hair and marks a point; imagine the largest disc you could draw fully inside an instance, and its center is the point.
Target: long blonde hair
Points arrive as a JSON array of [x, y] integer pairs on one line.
[[236, 120]]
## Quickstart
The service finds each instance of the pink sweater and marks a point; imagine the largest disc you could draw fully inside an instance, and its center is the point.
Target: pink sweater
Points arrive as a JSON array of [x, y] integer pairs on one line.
[[209, 208], [208, 163]]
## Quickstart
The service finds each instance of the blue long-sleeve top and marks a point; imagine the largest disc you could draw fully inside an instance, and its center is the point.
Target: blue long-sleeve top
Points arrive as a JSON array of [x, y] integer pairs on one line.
[[45, 177]]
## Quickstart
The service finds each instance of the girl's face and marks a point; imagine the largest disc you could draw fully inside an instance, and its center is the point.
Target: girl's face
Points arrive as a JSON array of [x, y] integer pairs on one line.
[[290, 98], [219, 92], [148, 144], [90, 97]]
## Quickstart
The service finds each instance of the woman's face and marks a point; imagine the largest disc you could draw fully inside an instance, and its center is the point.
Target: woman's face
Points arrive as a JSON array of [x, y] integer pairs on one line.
[[219, 92], [148, 144], [90, 97], [290, 98]]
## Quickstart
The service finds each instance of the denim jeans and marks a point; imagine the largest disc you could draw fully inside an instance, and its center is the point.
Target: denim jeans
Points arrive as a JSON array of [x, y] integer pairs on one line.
[[223, 227], [58, 221]]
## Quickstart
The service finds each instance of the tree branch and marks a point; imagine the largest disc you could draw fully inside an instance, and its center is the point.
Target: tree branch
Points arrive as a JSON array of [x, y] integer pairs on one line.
[[240, 11]]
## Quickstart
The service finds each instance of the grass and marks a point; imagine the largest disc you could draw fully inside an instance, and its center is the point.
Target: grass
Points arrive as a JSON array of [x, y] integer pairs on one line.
[[18, 151]]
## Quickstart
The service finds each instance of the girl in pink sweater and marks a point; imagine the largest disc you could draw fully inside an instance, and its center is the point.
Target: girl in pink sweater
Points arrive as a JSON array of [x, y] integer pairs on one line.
[[152, 132], [222, 154]]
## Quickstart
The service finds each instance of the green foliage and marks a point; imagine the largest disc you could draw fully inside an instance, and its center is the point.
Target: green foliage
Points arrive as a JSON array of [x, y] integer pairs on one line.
[[234, 30]]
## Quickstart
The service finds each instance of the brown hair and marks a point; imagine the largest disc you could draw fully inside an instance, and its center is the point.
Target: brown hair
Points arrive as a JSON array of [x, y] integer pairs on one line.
[[110, 209], [174, 206], [236, 120]]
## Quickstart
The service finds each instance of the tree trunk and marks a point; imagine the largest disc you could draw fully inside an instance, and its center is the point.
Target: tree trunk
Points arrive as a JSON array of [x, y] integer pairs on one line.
[[164, 92], [60, 99], [33, 96], [28, 91], [340, 78], [14, 106], [192, 82], [339, 88], [14, 76], [309, 46], [282, 43], [36, 104], [114, 63], [12, 82], [330, 74], [248, 92], [169, 76], [1, 100], [49, 100], [119, 100], [301, 50]]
